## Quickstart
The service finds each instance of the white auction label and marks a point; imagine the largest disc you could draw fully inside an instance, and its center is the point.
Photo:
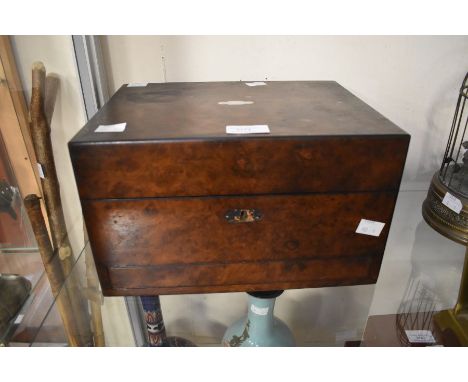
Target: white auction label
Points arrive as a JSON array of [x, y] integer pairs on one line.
[[258, 310], [258, 83], [370, 227], [420, 336], [452, 202], [19, 319], [41, 171], [235, 103], [116, 128], [137, 84], [247, 129]]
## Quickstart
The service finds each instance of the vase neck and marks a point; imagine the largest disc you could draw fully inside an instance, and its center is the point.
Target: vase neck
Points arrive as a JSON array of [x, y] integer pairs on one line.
[[260, 315]]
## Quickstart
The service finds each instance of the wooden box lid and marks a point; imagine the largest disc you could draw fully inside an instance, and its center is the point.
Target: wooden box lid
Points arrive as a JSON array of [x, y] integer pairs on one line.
[[175, 143], [191, 110]]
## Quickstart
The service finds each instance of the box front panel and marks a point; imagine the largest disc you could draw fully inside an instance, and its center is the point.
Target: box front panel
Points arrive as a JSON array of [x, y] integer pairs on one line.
[[227, 241], [239, 166]]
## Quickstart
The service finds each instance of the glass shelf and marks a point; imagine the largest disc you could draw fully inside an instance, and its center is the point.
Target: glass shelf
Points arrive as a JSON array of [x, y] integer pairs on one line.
[[24, 327], [410, 307], [420, 276], [51, 330], [25, 262]]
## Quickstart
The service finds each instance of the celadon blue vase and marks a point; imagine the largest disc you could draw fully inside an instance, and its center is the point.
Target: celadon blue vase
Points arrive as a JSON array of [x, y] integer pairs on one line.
[[260, 327]]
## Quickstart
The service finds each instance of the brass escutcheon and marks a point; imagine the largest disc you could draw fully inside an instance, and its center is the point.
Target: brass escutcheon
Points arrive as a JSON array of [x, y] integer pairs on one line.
[[243, 216]]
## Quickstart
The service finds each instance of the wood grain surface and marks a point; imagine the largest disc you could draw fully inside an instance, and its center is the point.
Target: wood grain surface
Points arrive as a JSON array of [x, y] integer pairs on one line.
[[239, 167], [192, 110], [155, 196], [183, 242]]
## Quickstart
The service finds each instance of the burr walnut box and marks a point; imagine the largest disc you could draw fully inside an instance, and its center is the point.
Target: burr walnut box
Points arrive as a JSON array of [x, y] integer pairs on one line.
[[175, 204]]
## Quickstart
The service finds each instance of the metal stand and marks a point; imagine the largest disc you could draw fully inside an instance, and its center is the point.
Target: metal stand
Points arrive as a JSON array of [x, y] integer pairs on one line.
[[455, 321]]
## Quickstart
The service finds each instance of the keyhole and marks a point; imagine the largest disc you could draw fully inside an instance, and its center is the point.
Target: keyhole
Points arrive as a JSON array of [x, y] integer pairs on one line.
[[243, 215]]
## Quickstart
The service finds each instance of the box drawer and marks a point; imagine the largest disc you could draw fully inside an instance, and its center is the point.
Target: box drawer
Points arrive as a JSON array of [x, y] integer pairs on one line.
[[244, 276], [183, 242]]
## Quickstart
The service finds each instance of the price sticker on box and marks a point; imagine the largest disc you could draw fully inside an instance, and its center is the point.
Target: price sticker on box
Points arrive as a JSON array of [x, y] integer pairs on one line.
[[370, 227], [116, 128], [256, 83], [137, 84], [247, 129]]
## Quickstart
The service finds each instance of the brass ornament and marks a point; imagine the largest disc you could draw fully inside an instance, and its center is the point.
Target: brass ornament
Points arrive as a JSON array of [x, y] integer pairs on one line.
[[441, 218], [453, 178]]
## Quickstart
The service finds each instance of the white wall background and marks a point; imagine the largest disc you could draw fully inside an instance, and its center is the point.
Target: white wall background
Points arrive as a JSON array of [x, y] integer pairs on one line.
[[413, 81], [410, 80]]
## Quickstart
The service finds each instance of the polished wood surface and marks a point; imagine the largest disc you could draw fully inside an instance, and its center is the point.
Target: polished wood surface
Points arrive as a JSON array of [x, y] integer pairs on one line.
[[254, 276], [188, 110], [188, 242], [239, 167], [155, 197], [192, 230]]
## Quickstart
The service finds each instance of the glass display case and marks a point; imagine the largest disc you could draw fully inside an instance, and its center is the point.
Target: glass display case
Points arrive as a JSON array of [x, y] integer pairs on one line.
[[420, 276], [414, 283], [39, 303], [51, 329], [22, 280]]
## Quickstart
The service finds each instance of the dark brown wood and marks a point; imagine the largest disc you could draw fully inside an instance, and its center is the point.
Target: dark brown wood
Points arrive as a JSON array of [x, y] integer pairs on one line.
[[192, 230], [239, 166], [168, 234], [191, 110], [266, 286], [306, 272], [155, 196], [322, 139]]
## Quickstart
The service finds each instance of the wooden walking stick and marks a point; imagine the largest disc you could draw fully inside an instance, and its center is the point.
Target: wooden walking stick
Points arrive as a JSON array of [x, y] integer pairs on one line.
[[40, 133], [42, 101], [52, 267], [93, 294]]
